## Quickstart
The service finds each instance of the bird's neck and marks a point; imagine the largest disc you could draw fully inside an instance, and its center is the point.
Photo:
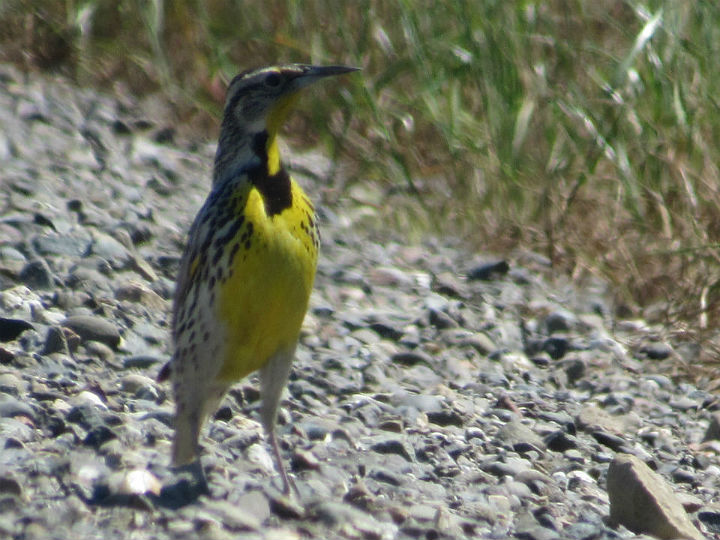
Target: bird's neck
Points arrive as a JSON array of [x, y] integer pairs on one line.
[[235, 155], [268, 177], [273, 122], [272, 154], [240, 150]]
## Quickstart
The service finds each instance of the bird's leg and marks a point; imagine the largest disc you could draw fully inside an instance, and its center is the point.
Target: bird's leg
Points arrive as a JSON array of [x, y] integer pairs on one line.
[[185, 445], [273, 378], [187, 430], [286, 480]]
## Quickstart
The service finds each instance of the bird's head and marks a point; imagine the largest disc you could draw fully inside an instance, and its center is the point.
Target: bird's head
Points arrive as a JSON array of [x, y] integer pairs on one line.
[[259, 100]]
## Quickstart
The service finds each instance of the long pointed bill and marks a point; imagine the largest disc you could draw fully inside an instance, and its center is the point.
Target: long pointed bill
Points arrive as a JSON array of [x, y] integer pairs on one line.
[[310, 74]]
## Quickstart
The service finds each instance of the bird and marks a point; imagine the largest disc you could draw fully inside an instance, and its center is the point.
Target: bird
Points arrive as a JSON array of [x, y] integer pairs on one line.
[[248, 267]]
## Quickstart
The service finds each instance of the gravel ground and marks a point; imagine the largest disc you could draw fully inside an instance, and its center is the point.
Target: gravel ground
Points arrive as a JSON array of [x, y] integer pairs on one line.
[[437, 392]]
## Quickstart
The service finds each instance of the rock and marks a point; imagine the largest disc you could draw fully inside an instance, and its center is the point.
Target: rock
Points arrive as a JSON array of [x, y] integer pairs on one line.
[[643, 502], [593, 419], [713, 431], [86, 277], [559, 441], [99, 435], [556, 347], [75, 244], [481, 342], [137, 292], [392, 445], [99, 350], [710, 517], [489, 271], [141, 362], [684, 403], [614, 442], [142, 267], [575, 369], [441, 320], [11, 259], [348, 522], [10, 329], [16, 431], [656, 350], [11, 407], [139, 385], [449, 284], [62, 340], [411, 358], [94, 328], [286, 507], [446, 417], [137, 482], [256, 504], [105, 246], [302, 460], [390, 277], [37, 275], [11, 384], [519, 436], [385, 475], [10, 486], [559, 321], [528, 526], [387, 328], [239, 517]]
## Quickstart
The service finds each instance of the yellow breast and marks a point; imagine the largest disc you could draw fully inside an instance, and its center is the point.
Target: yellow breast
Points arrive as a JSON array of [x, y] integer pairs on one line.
[[264, 300]]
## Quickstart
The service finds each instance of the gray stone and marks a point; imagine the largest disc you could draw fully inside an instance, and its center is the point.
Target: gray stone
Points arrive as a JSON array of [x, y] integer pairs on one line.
[[656, 350], [348, 522], [713, 430], [392, 445], [11, 407], [36, 274], [519, 436], [441, 320], [75, 244], [94, 328], [10, 329], [105, 246]]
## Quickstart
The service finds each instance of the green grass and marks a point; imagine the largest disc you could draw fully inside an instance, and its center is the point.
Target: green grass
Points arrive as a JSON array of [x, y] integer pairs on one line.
[[585, 131]]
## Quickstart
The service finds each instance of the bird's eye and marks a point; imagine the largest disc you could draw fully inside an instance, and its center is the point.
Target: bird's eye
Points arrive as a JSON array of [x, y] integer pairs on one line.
[[273, 79]]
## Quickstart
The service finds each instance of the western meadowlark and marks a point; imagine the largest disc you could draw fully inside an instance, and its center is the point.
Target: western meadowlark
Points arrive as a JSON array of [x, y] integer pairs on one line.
[[249, 264]]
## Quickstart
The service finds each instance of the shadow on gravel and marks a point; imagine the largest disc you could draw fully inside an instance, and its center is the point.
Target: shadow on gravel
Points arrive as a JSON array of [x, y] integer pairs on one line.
[[190, 484], [185, 490]]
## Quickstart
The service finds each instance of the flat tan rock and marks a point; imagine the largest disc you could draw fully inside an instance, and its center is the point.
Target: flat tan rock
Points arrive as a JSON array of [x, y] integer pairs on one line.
[[642, 501]]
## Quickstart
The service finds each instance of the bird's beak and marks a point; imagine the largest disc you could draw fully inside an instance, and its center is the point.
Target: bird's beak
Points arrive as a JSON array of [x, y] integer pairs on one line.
[[310, 74]]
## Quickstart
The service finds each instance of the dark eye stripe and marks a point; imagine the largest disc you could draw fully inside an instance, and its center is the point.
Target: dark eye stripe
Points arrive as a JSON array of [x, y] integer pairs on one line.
[[239, 93], [273, 79]]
